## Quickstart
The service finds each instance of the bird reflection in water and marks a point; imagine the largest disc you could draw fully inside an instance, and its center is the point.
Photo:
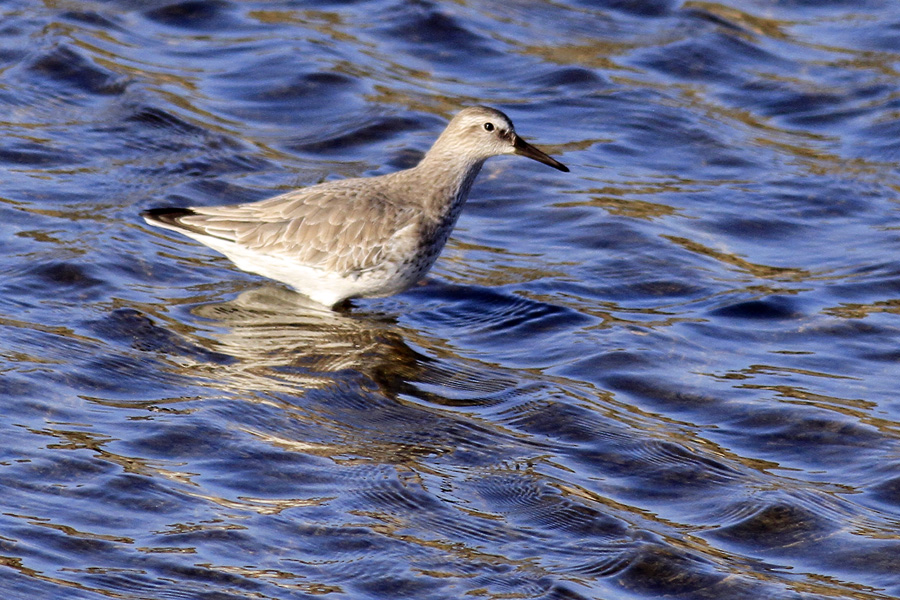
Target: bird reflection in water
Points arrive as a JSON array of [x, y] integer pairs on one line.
[[348, 380], [287, 340]]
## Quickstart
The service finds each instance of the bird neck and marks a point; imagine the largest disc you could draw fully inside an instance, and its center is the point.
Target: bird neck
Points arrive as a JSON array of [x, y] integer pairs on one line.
[[449, 178]]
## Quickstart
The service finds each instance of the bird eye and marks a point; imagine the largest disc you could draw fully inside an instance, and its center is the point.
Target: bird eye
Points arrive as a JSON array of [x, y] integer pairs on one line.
[[488, 126]]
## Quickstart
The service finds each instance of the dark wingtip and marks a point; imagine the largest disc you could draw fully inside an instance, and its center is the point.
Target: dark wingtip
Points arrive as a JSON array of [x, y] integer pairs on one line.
[[168, 215]]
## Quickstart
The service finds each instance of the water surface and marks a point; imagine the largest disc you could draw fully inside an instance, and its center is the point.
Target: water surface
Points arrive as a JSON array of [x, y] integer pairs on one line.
[[671, 372]]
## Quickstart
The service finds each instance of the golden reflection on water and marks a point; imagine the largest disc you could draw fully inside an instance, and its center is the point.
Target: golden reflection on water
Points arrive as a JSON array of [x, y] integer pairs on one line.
[[759, 25], [756, 270], [612, 201], [852, 310]]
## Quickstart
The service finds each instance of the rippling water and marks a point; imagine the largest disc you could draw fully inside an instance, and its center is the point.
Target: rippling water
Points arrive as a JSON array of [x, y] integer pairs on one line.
[[672, 372]]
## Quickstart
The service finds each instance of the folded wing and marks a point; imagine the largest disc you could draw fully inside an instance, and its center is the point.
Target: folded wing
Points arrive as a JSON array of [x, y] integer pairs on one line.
[[343, 227]]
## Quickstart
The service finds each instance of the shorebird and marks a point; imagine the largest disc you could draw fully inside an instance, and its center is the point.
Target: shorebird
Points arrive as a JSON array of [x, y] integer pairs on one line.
[[364, 236]]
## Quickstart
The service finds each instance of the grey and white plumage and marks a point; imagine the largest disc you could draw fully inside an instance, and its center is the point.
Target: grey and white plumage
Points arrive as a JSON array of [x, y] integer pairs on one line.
[[358, 237]]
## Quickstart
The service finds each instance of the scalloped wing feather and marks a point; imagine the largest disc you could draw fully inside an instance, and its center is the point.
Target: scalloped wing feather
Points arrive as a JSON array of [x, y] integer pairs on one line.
[[320, 227]]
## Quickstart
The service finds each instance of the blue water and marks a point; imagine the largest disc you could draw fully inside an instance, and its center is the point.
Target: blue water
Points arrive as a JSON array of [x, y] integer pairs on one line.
[[672, 372]]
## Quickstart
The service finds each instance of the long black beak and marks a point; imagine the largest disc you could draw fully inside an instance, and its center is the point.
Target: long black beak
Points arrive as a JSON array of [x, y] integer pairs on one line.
[[523, 148]]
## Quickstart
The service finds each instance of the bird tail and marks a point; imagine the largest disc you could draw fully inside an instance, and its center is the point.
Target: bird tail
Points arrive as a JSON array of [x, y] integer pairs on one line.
[[167, 216]]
